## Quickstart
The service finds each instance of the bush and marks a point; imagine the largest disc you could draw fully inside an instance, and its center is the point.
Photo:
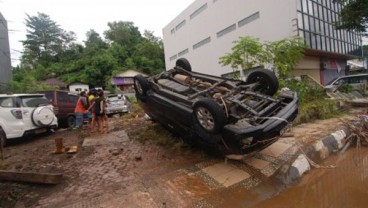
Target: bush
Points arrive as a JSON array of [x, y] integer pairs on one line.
[[313, 104]]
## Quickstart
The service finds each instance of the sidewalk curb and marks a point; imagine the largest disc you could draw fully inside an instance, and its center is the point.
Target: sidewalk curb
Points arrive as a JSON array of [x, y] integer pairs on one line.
[[317, 151]]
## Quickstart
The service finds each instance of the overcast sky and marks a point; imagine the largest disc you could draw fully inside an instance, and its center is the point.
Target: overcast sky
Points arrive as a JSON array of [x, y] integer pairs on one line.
[[80, 16]]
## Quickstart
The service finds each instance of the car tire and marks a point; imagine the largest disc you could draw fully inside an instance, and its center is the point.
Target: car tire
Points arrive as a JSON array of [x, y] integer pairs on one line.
[[267, 81], [42, 116], [184, 64], [209, 115], [141, 86], [3, 138], [71, 122]]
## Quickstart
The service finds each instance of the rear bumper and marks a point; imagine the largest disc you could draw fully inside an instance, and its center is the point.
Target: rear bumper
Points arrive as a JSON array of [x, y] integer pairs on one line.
[[18, 134], [116, 110]]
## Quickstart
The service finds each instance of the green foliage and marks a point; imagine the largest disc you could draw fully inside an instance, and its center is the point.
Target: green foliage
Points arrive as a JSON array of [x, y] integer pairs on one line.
[[354, 15], [123, 33], [248, 52], [313, 104], [51, 52], [285, 55], [45, 40], [316, 109]]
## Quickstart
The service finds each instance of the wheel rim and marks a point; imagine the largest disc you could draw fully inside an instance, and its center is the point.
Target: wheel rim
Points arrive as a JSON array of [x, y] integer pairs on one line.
[[262, 83], [205, 118], [71, 122], [139, 88]]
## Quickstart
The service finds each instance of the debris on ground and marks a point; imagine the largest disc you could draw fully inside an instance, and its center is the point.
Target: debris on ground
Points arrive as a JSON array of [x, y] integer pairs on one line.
[[73, 149], [359, 130], [44, 178]]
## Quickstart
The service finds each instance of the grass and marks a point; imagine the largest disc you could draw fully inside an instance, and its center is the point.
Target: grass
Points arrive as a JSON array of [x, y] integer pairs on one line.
[[317, 109]]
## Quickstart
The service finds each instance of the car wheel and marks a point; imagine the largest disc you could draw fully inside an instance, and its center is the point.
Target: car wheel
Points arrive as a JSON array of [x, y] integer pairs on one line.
[[141, 86], [42, 116], [71, 122], [184, 64], [2, 138], [209, 115], [266, 80]]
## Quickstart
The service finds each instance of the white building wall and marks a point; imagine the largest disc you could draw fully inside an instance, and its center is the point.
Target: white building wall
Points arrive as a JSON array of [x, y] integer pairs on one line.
[[277, 20]]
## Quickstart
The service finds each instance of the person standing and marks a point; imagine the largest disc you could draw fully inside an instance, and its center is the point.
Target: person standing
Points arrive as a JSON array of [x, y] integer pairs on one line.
[[101, 116], [91, 99], [80, 109]]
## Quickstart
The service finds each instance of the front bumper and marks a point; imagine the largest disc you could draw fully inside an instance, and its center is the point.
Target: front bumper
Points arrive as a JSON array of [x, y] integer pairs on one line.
[[261, 135]]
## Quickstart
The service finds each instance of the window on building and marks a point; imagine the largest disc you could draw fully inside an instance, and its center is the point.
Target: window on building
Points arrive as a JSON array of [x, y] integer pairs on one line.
[[198, 11], [183, 52], [248, 19], [173, 57], [201, 43], [226, 31], [316, 23], [180, 25]]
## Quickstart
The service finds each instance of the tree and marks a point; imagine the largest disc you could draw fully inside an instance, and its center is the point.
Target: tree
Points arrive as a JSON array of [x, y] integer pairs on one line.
[[45, 40], [123, 33], [285, 54], [248, 52], [149, 55], [354, 15]]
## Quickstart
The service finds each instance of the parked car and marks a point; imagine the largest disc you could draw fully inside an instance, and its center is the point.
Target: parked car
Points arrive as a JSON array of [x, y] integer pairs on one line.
[[356, 81], [64, 103], [25, 114], [117, 104], [236, 116]]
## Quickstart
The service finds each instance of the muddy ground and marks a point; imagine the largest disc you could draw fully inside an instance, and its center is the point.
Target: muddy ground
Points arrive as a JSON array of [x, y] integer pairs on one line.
[[90, 172], [98, 173]]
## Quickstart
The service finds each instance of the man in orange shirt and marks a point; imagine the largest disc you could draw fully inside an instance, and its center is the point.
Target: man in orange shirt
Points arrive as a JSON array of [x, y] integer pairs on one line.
[[80, 109]]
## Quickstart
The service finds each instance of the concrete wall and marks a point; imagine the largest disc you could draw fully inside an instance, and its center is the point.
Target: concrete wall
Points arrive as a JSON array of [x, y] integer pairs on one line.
[[5, 62], [276, 20]]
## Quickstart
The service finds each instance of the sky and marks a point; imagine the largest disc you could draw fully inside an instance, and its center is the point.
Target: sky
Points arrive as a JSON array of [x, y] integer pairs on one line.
[[80, 16]]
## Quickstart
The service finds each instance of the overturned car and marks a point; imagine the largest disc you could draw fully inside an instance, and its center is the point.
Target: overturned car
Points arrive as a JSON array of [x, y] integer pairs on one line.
[[237, 117]]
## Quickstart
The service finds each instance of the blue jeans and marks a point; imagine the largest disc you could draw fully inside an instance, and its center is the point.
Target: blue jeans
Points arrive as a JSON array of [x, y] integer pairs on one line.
[[79, 119]]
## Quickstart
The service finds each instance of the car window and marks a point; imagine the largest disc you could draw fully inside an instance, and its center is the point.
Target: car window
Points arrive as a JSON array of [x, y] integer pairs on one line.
[[7, 102], [33, 101], [49, 95], [63, 97], [73, 98]]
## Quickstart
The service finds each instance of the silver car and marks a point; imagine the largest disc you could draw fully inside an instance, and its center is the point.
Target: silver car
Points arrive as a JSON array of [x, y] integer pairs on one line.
[[356, 81], [117, 104]]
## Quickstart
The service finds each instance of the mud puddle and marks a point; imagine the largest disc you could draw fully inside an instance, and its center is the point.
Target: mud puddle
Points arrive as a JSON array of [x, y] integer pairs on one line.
[[343, 186]]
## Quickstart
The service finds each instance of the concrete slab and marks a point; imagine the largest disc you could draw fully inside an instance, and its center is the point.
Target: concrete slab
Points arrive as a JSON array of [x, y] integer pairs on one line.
[[276, 149], [257, 163], [106, 139], [226, 174]]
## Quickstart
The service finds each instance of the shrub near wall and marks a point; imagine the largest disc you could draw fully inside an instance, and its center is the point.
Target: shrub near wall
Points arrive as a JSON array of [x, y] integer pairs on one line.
[[313, 103]]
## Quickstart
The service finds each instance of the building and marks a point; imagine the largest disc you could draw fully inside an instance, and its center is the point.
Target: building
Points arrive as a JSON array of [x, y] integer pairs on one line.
[[78, 87], [205, 31], [5, 62], [124, 82]]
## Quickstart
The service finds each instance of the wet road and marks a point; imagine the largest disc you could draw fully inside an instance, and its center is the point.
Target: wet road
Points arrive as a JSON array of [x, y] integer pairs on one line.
[[346, 185]]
